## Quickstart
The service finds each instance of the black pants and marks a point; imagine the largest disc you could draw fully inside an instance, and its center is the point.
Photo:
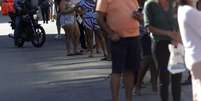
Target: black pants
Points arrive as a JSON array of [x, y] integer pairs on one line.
[[45, 14], [18, 26], [162, 54], [82, 36]]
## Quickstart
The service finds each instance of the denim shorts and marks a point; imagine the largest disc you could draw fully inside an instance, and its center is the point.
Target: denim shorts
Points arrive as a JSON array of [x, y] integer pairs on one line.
[[67, 20]]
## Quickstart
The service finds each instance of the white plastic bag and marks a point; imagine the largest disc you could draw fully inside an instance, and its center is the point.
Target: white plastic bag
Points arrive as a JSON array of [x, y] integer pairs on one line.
[[176, 61]]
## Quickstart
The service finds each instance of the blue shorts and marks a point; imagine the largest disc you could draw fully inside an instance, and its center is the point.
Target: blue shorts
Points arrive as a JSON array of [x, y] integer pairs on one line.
[[67, 20]]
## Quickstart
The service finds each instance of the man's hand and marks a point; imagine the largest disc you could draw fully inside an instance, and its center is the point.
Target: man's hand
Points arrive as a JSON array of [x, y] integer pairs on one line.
[[174, 43], [175, 36], [138, 16], [114, 37], [102, 22]]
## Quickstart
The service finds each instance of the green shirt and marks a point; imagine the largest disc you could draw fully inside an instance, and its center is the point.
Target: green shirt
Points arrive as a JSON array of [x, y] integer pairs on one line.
[[155, 16]]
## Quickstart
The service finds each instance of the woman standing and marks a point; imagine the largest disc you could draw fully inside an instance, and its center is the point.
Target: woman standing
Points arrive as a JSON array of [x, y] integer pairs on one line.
[[57, 9], [189, 20], [45, 6], [160, 21], [91, 27], [69, 24]]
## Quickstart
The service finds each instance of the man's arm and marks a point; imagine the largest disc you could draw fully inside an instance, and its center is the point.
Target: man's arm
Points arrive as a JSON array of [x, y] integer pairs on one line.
[[102, 22], [138, 16], [158, 31], [172, 34]]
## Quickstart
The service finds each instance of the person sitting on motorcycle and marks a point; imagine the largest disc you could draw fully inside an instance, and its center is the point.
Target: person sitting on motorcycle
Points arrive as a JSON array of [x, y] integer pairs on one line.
[[21, 7]]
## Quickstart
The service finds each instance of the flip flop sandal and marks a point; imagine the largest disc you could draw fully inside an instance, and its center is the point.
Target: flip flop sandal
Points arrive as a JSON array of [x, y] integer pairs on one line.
[[78, 53], [71, 54]]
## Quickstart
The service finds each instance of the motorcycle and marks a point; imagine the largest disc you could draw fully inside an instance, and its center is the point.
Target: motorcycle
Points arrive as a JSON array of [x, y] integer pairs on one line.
[[30, 30]]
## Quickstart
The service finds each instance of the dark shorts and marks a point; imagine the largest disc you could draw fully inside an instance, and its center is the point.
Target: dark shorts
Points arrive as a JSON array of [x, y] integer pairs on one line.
[[126, 55]]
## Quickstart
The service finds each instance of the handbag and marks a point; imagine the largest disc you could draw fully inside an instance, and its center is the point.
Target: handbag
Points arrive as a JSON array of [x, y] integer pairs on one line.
[[176, 62]]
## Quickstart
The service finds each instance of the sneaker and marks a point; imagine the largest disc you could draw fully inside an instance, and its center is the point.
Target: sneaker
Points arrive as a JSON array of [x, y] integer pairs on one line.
[[11, 35], [58, 37]]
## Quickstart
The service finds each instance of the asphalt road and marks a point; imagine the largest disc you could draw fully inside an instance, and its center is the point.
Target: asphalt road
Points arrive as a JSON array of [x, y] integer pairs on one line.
[[46, 74]]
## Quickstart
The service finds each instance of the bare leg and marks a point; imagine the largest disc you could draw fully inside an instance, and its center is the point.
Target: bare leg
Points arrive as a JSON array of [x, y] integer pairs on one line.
[[75, 39], [89, 37], [101, 39], [141, 73], [107, 45], [67, 37], [98, 46], [196, 81], [115, 86], [128, 81]]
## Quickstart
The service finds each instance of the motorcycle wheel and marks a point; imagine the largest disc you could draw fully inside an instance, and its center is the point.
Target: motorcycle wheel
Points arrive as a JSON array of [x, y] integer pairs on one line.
[[39, 38], [19, 42]]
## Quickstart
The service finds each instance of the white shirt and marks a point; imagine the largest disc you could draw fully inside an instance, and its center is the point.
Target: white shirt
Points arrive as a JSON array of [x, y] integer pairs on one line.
[[189, 20]]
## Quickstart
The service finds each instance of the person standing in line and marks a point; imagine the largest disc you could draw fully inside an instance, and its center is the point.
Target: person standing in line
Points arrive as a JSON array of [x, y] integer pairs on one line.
[[159, 20], [120, 20], [79, 14], [189, 20], [57, 9], [87, 6], [69, 24], [51, 12], [44, 6], [188, 80], [147, 62], [93, 30]]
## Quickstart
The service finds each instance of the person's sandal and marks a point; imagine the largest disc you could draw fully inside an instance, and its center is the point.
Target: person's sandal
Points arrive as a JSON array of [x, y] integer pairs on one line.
[[70, 54], [91, 56], [78, 53], [104, 59], [137, 91]]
